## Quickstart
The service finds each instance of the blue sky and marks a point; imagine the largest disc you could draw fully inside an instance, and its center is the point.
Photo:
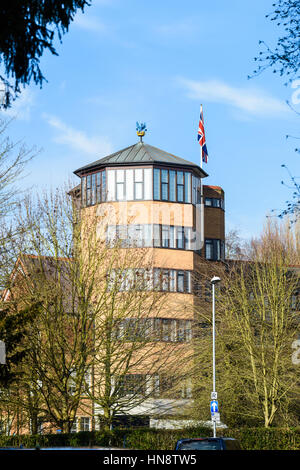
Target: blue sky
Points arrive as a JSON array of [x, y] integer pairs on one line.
[[156, 62]]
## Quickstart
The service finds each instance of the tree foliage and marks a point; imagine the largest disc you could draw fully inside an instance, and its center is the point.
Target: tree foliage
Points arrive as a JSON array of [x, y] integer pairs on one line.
[[27, 29], [284, 58]]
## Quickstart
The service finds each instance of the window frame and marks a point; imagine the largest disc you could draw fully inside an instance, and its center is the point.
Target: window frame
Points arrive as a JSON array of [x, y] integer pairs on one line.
[[217, 247], [93, 188]]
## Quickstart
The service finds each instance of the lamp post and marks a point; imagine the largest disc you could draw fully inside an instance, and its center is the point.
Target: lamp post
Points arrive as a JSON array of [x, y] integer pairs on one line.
[[215, 280]]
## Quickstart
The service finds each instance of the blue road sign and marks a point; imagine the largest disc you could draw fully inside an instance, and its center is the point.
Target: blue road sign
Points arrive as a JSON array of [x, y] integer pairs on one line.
[[214, 406]]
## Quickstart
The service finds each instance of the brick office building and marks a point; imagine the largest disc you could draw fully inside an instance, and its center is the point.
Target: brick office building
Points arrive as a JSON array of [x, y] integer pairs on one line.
[[151, 199]]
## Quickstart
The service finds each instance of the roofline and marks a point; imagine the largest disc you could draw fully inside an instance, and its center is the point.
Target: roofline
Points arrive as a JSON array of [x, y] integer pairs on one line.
[[86, 170]]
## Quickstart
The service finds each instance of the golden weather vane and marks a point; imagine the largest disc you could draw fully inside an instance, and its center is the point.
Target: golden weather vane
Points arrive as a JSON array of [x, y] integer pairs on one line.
[[141, 130]]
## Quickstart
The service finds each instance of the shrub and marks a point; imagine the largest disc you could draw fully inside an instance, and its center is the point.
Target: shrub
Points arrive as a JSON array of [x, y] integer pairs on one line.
[[159, 439]]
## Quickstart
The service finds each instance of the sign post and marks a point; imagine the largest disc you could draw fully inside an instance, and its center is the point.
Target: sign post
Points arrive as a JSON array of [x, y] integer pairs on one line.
[[214, 403]]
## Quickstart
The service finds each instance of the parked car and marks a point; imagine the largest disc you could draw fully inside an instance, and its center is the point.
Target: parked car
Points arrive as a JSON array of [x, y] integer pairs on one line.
[[208, 443]]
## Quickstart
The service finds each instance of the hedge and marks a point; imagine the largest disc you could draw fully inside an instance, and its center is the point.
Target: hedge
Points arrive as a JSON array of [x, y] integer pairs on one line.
[[158, 439]]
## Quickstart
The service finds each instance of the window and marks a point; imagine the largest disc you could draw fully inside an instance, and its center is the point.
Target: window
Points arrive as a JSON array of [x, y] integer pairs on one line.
[[214, 249], [172, 280], [88, 190], [147, 183], [74, 426], [132, 384], [120, 180], [172, 243], [172, 185], [180, 238], [156, 184], [164, 185], [148, 235], [165, 236], [187, 186], [72, 383], [171, 330], [168, 280], [156, 236], [94, 188], [138, 184], [136, 235], [110, 185], [84, 423], [83, 191], [132, 329], [180, 281], [165, 280], [194, 189], [180, 186], [209, 249], [103, 188], [98, 187], [214, 202], [188, 238]]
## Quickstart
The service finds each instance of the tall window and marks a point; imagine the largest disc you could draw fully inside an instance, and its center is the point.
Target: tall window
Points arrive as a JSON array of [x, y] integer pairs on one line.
[[120, 181], [93, 188], [180, 186], [156, 184], [214, 249], [84, 423], [88, 189], [187, 186], [103, 188], [165, 236], [180, 281], [180, 238], [98, 185], [138, 184], [164, 185], [172, 185]]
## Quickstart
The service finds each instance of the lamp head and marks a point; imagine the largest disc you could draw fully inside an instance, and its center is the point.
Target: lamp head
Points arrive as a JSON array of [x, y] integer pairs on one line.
[[215, 280]]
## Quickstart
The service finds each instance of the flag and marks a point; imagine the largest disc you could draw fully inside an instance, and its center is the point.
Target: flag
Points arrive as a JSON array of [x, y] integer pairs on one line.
[[201, 137]]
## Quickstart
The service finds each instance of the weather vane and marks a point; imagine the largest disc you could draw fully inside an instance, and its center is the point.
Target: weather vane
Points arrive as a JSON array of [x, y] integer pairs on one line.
[[141, 130]]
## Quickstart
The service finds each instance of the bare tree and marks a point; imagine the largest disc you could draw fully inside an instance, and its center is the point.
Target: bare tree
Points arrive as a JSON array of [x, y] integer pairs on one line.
[[93, 345], [256, 326]]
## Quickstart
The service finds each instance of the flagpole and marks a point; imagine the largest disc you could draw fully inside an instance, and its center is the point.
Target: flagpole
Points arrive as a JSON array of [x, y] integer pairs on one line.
[[201, 150]]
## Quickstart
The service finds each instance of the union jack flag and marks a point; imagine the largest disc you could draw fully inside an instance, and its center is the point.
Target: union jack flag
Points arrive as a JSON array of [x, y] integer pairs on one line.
[[201, 137]]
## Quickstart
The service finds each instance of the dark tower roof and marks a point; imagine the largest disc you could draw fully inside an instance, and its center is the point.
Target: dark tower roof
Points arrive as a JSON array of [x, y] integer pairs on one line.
[[139, 154]]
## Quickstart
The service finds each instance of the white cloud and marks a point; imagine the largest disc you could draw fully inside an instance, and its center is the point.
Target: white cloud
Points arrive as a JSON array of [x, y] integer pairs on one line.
[[21, 107], [89, 23], [253, 101], [77, 139]]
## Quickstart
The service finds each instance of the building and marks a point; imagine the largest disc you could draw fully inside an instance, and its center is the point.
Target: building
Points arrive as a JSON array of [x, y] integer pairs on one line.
[[151, 201], [148, 198]]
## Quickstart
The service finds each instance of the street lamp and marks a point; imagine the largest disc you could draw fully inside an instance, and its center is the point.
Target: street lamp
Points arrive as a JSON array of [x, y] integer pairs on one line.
[[215, 280]]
